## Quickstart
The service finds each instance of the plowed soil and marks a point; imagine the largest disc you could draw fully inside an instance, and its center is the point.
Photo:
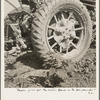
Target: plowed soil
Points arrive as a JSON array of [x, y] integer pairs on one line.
[[26, 71]]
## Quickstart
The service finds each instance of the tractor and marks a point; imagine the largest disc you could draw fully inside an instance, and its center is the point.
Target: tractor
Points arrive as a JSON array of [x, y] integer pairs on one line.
[[64, 27]]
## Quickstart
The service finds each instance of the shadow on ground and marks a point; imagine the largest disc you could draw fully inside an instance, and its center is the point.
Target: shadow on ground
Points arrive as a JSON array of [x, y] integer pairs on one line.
[[29, 59]]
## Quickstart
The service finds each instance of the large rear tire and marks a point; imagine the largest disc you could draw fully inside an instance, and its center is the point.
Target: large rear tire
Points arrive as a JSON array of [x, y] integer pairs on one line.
[[64, 27]]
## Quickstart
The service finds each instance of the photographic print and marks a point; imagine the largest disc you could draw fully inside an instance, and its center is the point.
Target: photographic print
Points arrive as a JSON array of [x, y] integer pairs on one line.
[[50, 44]]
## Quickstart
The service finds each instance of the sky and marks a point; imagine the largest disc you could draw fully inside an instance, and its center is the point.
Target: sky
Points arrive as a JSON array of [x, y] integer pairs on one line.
[[8, 7]]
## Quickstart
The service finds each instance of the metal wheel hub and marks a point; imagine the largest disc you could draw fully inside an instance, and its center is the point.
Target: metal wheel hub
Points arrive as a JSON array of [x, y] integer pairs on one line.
[[65, 31]]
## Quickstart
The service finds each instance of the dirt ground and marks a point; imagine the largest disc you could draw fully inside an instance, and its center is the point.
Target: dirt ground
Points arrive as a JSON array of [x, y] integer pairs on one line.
[[26, 71]]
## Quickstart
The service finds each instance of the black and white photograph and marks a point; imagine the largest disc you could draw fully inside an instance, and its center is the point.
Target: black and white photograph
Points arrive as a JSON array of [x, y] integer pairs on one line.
[[49, 43], [50, 46], [50, 49]]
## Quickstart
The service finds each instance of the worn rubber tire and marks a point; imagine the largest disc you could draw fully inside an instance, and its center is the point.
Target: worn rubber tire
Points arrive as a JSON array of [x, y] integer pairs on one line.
[[43, 16]]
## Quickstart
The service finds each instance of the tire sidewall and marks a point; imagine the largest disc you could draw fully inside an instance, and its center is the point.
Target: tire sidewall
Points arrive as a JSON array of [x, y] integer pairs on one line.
[[85, 17]]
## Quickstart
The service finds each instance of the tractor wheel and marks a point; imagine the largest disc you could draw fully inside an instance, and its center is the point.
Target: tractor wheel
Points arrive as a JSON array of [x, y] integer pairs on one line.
[[64, 27]]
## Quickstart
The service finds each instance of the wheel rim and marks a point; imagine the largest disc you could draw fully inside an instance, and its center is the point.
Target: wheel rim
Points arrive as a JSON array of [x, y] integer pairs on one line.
[[66, 33]]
